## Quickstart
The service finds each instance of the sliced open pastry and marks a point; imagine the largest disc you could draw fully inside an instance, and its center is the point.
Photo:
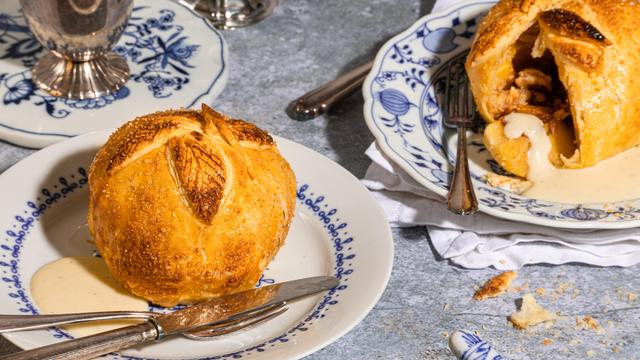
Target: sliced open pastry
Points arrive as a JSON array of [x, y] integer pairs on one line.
[[573, 64]]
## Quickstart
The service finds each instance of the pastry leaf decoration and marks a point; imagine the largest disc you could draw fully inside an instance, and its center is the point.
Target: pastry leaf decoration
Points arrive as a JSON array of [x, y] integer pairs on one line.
[[200, 173]]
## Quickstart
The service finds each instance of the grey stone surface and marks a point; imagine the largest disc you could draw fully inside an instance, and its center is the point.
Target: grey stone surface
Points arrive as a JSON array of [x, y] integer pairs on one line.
[[307, 43]]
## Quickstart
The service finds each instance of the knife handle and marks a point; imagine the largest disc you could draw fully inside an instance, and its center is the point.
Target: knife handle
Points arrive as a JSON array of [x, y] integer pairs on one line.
[[92, 346], [319, 100], [10, 323]]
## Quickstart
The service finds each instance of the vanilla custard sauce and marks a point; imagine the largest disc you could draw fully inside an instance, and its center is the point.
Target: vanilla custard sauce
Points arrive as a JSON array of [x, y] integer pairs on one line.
[[613, 179], [82, 284]]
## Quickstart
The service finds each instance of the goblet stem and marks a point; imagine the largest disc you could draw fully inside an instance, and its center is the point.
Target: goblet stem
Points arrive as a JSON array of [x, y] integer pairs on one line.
[[79, 35], [101, 76]]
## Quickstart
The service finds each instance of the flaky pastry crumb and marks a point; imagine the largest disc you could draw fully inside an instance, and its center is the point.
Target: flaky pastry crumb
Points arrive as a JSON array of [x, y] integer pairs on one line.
[[495, 286], [631, 296], [530, 313], [587, 322], [512, 184]]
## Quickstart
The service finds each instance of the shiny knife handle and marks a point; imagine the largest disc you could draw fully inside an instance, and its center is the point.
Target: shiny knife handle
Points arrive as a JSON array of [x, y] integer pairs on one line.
[[92, 346], [319, 100], [10, 323]]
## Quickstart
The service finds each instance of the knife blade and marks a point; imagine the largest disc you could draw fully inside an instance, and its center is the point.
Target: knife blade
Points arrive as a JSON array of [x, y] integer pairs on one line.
[[210, 312]]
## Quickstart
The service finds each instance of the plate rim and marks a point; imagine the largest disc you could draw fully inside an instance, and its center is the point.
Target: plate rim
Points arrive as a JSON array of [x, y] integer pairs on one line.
[[386, 237], [385, 147], [36, 140]]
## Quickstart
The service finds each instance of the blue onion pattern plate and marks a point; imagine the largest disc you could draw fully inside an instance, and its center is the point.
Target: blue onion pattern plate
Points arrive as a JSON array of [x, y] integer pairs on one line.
[[339, 229], [402, 108], [176, 58]]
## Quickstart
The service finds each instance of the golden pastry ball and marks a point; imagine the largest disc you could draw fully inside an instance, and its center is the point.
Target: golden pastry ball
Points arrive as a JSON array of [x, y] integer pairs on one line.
[[187, 205]]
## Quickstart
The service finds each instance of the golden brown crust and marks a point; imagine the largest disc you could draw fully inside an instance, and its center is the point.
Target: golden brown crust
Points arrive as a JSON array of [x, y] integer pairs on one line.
[[179, 219], [495, 286], [596, 47], [145, 133], [200, 173], [568, 24], [502, 148], [245, 131], [525, 5], [588, 58]]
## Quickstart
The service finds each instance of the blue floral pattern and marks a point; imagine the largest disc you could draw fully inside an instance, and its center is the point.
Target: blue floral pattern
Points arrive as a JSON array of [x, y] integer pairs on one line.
[[404, 94], [11, 249], [155, 45], [315, 204], [478, 349]]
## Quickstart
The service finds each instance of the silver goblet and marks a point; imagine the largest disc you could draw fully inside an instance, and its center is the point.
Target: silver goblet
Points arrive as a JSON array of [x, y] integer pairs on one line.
[[79, 35]]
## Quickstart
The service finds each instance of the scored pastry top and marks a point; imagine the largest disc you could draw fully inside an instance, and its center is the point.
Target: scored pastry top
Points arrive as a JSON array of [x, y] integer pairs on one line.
[[189, 136]]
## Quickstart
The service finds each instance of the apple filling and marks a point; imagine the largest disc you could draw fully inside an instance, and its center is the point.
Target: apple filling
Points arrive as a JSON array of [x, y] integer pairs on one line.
[[532, 87]]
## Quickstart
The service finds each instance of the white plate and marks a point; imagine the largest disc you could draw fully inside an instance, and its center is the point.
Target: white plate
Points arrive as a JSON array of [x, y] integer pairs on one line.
[[402, 95], [339, 229], [177, 59]]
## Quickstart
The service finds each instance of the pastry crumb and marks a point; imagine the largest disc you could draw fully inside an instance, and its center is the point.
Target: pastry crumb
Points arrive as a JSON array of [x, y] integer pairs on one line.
[[547, 342], [495, 286], [445, 334], [587, 322], [591, 353], [512, 184], [562, 288], [520, 288], [445, 306], [575, 342], [631, 297], [540, 291], [530, 313]]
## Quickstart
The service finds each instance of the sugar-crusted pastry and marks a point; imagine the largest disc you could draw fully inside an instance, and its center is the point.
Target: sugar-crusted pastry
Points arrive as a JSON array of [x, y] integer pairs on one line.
[[186, 205], [574, 64], [495, 286]]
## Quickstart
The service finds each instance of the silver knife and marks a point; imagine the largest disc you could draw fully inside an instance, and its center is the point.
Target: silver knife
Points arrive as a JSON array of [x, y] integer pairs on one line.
[[193, 317]]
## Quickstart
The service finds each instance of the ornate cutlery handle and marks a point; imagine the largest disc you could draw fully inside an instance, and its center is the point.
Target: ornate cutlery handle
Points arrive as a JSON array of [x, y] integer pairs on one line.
[[319, 100], [92, 346], [9, 323], [462, 200]]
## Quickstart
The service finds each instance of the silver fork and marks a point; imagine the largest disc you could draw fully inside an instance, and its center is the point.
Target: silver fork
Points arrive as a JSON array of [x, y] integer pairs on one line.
[[459, 113]]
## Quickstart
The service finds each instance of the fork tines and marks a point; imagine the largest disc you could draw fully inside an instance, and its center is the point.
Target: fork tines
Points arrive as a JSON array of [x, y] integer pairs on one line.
[[459, 104]]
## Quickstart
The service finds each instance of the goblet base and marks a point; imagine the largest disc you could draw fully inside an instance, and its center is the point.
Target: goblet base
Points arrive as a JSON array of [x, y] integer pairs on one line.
[[101, 76], [229, 14]]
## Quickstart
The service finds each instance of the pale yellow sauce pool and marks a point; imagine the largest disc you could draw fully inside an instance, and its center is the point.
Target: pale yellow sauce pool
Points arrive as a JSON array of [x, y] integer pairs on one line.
[[610, 180], [82, 284]]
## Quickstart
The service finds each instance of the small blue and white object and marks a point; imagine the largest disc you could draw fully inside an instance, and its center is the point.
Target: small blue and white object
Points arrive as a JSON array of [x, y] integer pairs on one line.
[[468, 346]]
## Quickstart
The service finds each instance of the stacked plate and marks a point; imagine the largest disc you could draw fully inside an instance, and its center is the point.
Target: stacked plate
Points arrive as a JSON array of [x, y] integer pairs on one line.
[[403, 96]]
